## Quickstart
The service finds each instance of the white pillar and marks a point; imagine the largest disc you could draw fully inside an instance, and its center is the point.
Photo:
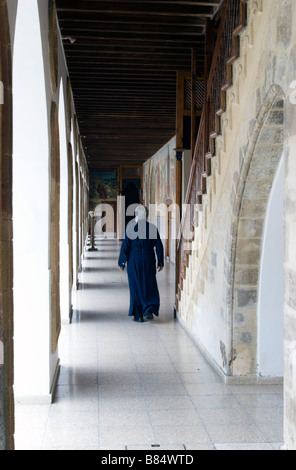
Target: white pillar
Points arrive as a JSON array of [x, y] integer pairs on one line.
[[35, 365]]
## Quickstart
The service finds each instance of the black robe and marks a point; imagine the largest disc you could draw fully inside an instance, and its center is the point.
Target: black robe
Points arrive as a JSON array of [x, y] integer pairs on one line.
[[140, 249]]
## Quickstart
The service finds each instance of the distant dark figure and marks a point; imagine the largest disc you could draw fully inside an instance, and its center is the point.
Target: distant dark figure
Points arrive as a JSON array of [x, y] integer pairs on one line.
[[132, 196], [101, 190], [140, 249]]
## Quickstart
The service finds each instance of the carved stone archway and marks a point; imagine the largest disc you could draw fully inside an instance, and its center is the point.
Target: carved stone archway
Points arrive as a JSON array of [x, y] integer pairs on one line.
[[257, 175]]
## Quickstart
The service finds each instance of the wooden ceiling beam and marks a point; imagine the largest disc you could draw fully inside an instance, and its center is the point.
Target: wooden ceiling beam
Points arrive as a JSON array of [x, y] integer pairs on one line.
[[136, 84], [69, 20], [105, 156], [118, 123], [135, 28], [129, 49], [109, 112], [96, 69], [93, 138], [98, 95], [169, 8], [214, 3], [122, 95], [137, 42], [132, 59], [101, 151], [132, 76], [123, 57], [122, 113], [117, 85], [92, 65], [105, 55], [165, 102]]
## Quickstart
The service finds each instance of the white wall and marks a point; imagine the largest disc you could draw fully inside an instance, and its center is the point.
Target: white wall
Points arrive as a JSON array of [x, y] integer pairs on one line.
[[271, 285], [36, 366]]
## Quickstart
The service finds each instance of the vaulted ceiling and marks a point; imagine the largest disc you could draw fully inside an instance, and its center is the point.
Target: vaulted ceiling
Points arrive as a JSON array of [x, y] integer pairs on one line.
[[123, 57]]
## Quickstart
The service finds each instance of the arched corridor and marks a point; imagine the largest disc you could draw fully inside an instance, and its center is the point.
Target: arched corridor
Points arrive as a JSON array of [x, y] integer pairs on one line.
[[125, 385], [193, 105]]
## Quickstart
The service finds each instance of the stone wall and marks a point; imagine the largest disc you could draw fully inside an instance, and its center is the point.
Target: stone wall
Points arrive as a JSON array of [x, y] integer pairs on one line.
[[257, 174], [218, 304]]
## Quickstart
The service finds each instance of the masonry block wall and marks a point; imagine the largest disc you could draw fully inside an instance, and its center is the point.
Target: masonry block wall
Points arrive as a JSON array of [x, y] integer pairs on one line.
[[219, 300]]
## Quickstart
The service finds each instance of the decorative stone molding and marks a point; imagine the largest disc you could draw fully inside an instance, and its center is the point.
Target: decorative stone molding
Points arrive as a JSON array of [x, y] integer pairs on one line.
[[249, 35], [256, 7], [239, 68]]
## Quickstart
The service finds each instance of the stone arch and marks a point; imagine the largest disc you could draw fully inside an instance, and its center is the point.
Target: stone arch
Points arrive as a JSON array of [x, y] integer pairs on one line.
[[258, 171], [6, 252]]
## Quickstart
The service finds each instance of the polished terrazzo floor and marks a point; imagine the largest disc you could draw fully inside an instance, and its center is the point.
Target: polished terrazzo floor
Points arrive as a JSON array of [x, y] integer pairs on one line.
[[126, 385]]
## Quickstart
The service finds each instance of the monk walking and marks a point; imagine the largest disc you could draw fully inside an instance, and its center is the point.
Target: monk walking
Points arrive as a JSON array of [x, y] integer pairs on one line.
[[141, 249]]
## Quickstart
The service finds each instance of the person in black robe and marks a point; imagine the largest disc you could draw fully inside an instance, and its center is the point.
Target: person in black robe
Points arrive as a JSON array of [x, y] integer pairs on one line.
[[132, 196], [140, 249]]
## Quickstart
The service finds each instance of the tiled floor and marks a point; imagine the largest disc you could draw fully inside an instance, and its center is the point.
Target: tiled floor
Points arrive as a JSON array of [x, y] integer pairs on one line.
[[125, 385]]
